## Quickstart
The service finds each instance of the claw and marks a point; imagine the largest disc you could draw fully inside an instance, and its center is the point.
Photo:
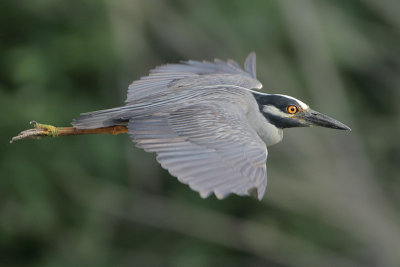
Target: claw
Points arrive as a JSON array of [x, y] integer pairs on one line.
[[39, 130], [50, 128]]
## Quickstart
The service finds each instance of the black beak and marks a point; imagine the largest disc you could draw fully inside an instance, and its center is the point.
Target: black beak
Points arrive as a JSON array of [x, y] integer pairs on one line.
[[314, 118]]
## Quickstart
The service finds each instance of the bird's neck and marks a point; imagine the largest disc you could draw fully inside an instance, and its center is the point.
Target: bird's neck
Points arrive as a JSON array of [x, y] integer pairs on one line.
[[268, 132]]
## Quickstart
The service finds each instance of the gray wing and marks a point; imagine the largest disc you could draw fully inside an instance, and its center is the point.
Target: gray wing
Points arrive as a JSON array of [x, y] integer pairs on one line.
[[161, 78], [210, 147], [174, 85]]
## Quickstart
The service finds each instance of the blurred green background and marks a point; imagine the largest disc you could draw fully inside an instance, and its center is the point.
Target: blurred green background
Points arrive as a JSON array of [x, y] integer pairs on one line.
[[333, 197]]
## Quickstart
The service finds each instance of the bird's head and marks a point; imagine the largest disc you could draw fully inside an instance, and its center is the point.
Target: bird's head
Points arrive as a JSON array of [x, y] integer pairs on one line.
[[286, 112]]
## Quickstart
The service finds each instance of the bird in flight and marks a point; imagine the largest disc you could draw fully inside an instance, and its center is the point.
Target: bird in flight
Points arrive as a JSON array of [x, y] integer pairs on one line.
[[206, 121]]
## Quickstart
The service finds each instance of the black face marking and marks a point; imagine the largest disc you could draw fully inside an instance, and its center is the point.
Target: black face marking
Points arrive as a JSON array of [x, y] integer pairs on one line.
[[278, 101], [281, 103]]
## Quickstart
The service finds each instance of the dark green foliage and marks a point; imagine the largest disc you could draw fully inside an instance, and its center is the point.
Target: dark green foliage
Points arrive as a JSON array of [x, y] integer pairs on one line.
[[332, 198]]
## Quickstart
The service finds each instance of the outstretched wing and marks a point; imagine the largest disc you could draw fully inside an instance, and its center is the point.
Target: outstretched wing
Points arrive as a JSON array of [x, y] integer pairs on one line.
[[210, 147], [163, 76]]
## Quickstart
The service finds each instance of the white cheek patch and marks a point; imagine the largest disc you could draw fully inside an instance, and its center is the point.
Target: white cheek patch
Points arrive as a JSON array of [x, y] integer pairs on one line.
[[275, 111], [301, 104]]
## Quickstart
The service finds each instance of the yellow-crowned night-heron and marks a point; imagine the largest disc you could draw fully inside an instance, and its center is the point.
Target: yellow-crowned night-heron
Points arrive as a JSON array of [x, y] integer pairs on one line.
[[206, 123]]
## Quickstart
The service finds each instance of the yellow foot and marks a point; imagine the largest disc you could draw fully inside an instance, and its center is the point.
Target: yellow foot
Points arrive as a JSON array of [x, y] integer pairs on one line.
[[40, 130], [53, 131]]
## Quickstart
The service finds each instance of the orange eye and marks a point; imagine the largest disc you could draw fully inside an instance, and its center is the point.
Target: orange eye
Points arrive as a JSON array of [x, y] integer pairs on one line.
[[292, 109]]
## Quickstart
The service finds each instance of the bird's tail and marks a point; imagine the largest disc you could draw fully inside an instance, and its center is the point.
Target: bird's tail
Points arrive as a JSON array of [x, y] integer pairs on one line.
[[100, 119]]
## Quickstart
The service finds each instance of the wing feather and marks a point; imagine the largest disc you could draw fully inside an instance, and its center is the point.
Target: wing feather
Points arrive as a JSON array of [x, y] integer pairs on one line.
[[211, 147], [163, 76], [174, 84], [250, 64]]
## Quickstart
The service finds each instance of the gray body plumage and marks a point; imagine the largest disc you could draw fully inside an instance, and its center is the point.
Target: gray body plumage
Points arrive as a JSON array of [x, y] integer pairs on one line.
[[203, 121], [200, 119]]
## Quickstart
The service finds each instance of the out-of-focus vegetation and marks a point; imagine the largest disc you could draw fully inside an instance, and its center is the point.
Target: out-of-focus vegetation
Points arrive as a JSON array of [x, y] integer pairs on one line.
[[333, 197]]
